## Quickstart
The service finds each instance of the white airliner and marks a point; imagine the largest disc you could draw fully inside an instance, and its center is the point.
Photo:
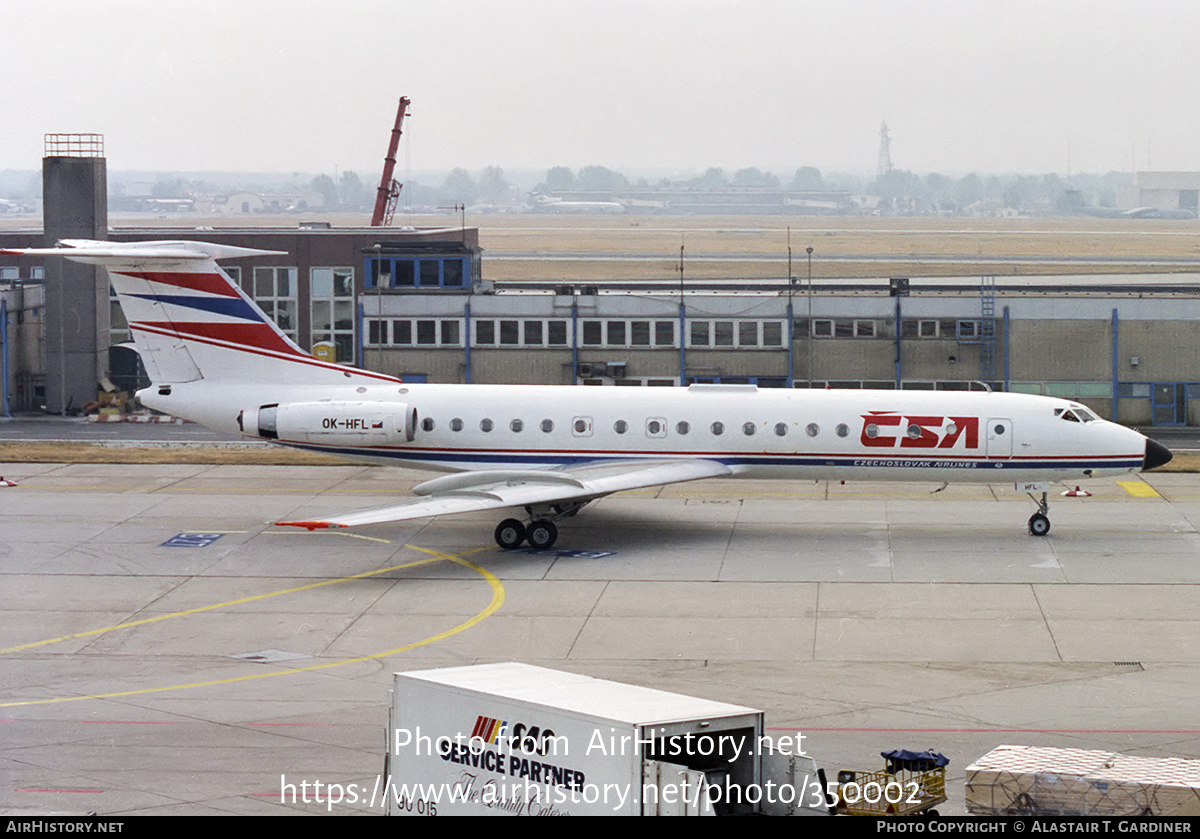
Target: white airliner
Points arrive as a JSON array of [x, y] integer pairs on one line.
[[216, 359], [551, 204]]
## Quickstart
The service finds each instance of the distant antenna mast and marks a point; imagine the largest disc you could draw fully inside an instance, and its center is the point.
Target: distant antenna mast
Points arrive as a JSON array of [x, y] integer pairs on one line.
[[389, 188], [885, 151]]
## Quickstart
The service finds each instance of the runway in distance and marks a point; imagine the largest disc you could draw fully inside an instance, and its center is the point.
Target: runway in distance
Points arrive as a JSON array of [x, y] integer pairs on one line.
[[215, 358]]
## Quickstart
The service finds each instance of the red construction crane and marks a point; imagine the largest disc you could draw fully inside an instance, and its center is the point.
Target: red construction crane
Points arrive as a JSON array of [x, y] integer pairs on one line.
[[389, 188]]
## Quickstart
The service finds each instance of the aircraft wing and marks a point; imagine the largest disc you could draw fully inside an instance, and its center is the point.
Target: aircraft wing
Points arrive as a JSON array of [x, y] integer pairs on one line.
[[465, 492]]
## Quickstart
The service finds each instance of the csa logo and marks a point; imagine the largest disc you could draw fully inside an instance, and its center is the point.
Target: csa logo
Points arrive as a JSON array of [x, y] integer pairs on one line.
[[889, 429], [530, 739]]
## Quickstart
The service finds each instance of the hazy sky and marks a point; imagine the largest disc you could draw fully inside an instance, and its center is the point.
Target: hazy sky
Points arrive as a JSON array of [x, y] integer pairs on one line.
[[298, 85]]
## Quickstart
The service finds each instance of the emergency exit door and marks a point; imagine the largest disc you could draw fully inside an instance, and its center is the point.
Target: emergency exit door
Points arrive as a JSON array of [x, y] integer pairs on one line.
[[999, 438]]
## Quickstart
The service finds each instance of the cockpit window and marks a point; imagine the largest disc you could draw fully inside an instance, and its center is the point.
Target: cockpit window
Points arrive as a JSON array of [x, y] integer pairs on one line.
[[1075, 414]]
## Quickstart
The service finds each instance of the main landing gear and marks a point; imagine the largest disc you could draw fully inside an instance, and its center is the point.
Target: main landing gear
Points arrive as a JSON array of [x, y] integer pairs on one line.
[[541, 533], [1039, 522], [510, 533]]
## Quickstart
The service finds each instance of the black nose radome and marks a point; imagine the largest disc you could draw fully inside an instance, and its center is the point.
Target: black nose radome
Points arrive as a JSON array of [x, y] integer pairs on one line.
[[1156, 455]]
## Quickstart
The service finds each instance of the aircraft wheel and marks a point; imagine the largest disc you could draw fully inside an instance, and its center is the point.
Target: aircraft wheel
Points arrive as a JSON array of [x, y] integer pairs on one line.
[[1039, 525], [542, 535], [510, 533]]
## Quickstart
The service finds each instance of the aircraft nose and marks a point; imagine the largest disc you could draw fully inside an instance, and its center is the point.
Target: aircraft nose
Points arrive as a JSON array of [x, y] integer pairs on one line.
[[1156, 455]]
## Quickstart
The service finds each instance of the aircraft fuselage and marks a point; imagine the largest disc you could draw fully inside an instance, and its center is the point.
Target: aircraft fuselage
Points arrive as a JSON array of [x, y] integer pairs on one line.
[[770, 433]]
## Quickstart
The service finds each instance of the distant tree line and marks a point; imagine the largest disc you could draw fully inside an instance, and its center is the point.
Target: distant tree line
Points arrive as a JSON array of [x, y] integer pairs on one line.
[[898, 191]]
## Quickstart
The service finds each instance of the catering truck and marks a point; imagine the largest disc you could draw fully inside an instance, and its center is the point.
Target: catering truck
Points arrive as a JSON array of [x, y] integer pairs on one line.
[[515, 739]]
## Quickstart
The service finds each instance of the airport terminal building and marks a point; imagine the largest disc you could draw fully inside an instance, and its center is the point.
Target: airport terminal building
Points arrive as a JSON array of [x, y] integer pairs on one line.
[[416, 303]]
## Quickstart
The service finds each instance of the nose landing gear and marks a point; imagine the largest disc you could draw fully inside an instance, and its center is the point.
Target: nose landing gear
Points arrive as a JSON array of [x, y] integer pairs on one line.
[[1039, 522]]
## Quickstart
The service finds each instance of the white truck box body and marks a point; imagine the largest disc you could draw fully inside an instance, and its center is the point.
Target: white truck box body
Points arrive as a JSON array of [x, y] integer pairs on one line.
[[513, 738]]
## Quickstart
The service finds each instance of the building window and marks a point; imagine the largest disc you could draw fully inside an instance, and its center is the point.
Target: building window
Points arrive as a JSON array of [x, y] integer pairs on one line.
[[723, 333], [427, 332], [332, 308], [772, 333], [510, 333], [521, 333], [664, 333], [409, 333], [621, 333], [592, 333], [742, 334], [533, 333], [920, 329], [275, 294], [426, 272], [485, 332]]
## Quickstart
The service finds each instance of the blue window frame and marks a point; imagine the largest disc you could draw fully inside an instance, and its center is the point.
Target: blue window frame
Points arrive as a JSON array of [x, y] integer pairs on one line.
[[426, 272]]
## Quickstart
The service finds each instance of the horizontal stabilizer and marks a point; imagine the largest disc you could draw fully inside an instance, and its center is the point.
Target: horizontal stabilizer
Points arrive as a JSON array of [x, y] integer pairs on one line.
[[89, 249]]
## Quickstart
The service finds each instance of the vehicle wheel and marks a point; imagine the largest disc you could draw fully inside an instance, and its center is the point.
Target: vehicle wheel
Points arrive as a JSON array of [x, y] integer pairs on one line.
[[542, 535], [1039, 525], [510, 533]]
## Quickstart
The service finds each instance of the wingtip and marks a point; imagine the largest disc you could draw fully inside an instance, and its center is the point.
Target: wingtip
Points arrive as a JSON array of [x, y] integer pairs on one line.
[[309, 525]]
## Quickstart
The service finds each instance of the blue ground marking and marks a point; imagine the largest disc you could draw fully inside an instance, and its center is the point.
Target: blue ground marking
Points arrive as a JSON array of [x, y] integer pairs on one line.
[[191, 540]]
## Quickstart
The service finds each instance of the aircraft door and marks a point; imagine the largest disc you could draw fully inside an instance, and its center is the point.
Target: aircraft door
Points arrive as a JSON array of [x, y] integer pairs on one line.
[[999, 438]]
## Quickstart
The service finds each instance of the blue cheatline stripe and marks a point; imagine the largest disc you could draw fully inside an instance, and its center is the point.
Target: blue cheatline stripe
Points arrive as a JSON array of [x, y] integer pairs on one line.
[[558, 459], [232, 307]]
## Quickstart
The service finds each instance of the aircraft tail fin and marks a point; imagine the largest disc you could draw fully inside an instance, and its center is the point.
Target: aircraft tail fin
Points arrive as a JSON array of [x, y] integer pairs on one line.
[[190, 321]]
